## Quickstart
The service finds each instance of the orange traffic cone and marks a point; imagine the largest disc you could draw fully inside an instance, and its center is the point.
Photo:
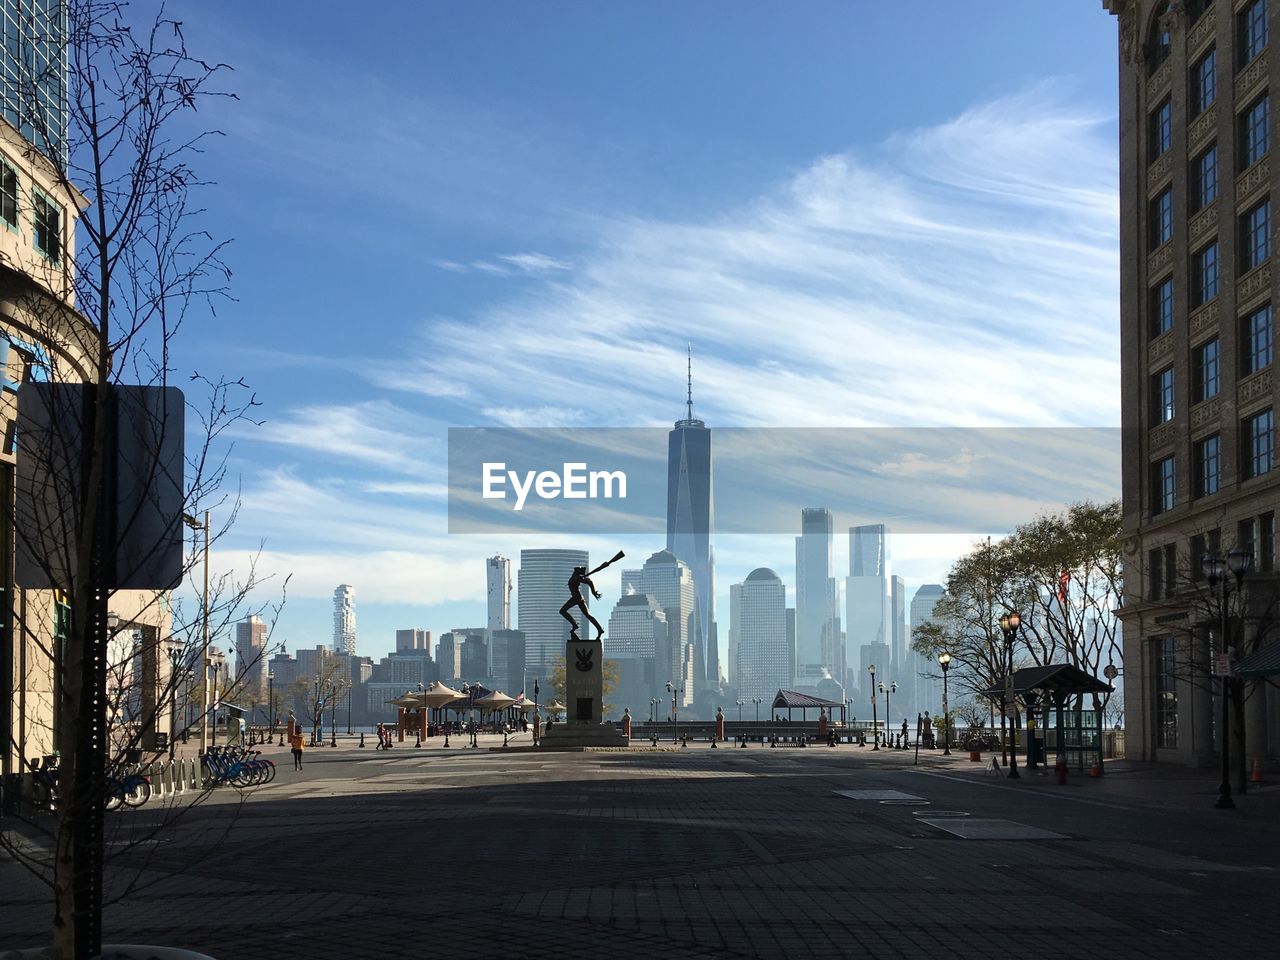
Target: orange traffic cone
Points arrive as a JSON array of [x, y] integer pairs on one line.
[[1257, 771], [1096, 769]]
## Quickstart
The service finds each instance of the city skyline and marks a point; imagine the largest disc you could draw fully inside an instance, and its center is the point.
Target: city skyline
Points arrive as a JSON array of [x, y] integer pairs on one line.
[[725, 237]]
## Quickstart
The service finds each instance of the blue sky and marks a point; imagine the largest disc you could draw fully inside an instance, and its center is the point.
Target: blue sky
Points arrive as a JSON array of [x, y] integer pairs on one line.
[[860, 214]]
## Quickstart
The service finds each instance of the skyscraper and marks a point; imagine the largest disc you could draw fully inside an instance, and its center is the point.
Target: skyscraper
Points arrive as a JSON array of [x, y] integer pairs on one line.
[[498, 580], [636, 641], [817, 616], [758, 618], [690, 519], [868, 593], [923, 606], [543, 581], [669, 581], [413, 638], [344, 619], [251, 653], [903, 666]]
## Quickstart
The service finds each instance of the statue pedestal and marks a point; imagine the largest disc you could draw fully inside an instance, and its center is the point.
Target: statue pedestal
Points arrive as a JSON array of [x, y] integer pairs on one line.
[[584, 701]]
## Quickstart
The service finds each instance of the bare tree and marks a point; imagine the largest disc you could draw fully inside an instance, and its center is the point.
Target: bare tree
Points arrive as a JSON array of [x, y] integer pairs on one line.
[[109, 113]]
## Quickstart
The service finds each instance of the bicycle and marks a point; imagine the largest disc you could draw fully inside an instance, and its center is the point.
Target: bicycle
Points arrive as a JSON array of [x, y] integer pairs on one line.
[[243, 768]]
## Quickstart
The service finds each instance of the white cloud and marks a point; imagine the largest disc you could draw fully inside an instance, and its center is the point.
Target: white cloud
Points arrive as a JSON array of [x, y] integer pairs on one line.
[[959, 275]]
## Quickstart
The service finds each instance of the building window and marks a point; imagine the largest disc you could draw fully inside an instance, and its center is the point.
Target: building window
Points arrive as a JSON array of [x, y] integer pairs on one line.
[[1162, 397], [1204, 274], [8, 194], [1255, 131], [1251, 27], [1255, 236], [1204, 178], [1202, 545], [1161, 219], [1267, 543], [1158, 43], [1162, 565], [1197, 9], [1255, 340], [1208, 468], [1205, 371], [1204, 83], [1161, 129], [1247, 538], [47, 222], [1162, 486], [1162, 307], [1166, 701], [1258, 444]]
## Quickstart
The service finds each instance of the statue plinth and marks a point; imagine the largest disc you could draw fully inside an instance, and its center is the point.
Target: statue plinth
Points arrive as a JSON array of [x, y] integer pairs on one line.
[[584, 701]]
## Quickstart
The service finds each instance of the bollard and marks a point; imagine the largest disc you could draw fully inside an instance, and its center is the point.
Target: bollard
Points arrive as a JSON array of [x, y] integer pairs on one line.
[[418, 743], [361, 739], [713, 744], [504, 738]]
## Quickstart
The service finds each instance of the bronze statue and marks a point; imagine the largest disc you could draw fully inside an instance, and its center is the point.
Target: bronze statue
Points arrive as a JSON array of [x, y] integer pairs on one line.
[[582, 576]]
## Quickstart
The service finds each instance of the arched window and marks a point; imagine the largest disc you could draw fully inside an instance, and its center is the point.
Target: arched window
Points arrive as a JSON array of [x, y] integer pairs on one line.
[[1158, 44]]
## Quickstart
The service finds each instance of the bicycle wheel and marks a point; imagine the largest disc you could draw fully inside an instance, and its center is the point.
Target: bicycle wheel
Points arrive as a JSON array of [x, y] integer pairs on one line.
[[138, 792], [113, 793]]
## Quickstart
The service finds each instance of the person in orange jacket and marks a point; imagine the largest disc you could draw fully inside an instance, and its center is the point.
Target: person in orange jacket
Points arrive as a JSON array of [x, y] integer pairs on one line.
[[296, 742]]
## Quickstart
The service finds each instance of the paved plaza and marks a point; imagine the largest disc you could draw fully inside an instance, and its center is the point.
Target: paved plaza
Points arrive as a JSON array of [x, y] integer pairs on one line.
[[753, 852]]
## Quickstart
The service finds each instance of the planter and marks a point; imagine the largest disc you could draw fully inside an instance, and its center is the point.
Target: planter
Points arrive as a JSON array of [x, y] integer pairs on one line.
[[119, 951], [975, 756]]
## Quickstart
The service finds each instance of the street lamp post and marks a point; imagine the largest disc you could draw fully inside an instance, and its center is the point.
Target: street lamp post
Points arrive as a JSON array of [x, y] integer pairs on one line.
[[653, 708], [676, 693], [1009, 624], [271, 705], [875, 723], [944, 661], [195, 524], [174, 650], [335, 694], [537, 721], [1238, 563], [350, 688], [757, 701], [317, 716], [886, 689], [740, 702]]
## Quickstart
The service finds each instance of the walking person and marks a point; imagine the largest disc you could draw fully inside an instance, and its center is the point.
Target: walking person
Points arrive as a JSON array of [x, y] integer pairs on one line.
[[905, 738], [296, 742]]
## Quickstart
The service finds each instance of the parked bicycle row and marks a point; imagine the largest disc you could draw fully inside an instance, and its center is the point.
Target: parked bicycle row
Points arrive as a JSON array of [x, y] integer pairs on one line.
[[238, 766], [120, 789]]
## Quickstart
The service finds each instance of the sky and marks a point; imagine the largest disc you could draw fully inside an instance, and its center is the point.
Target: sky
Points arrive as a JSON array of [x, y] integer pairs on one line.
[[854, 214]]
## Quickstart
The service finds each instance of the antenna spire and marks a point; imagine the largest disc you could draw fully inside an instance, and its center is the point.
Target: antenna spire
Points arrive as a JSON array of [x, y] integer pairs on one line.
[[689, 402]]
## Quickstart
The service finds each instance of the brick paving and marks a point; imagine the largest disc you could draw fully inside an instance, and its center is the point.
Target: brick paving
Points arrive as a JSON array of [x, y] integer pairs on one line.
[[692, 853]]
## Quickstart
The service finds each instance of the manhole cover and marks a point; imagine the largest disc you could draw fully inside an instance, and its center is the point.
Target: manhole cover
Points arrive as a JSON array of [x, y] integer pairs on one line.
[[877, 795]]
